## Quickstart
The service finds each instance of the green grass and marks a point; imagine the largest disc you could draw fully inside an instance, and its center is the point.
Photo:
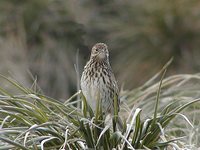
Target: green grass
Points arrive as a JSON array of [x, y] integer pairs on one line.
[[153, 120]]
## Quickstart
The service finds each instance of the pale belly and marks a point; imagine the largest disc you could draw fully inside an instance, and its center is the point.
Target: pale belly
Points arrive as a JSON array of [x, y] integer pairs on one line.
[[94, 91]]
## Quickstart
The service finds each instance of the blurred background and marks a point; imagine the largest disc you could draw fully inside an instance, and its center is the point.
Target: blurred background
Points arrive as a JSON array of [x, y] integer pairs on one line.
[[43, 39]]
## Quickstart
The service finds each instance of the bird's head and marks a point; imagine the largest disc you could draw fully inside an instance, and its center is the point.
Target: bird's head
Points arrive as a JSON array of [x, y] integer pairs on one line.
[[100, 51]]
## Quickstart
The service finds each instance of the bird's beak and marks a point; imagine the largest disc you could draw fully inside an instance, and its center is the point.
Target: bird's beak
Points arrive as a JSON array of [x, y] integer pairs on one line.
[[102, 55]]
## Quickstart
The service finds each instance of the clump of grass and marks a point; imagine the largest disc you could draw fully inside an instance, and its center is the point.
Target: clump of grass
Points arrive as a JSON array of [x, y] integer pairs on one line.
[[176, 91], [34, 121]]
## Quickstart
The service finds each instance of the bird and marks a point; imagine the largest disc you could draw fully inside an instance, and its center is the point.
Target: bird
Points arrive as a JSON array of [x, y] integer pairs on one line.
[[98, 81]]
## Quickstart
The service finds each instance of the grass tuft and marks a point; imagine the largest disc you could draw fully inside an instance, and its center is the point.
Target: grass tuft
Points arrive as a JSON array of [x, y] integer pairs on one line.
[[31, 120]]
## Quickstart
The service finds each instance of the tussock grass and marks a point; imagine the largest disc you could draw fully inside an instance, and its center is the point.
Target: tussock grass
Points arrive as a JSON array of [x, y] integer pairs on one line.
[[152, 115]]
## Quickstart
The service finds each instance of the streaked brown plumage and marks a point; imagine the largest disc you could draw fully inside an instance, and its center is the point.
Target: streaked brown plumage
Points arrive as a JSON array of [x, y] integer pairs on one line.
[[98, 80]]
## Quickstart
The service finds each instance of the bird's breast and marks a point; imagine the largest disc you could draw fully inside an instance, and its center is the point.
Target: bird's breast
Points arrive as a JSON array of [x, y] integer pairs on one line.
[[94, 86]]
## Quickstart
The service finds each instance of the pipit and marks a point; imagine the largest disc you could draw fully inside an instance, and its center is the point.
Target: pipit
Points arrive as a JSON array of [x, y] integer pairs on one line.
[[98, 81]]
